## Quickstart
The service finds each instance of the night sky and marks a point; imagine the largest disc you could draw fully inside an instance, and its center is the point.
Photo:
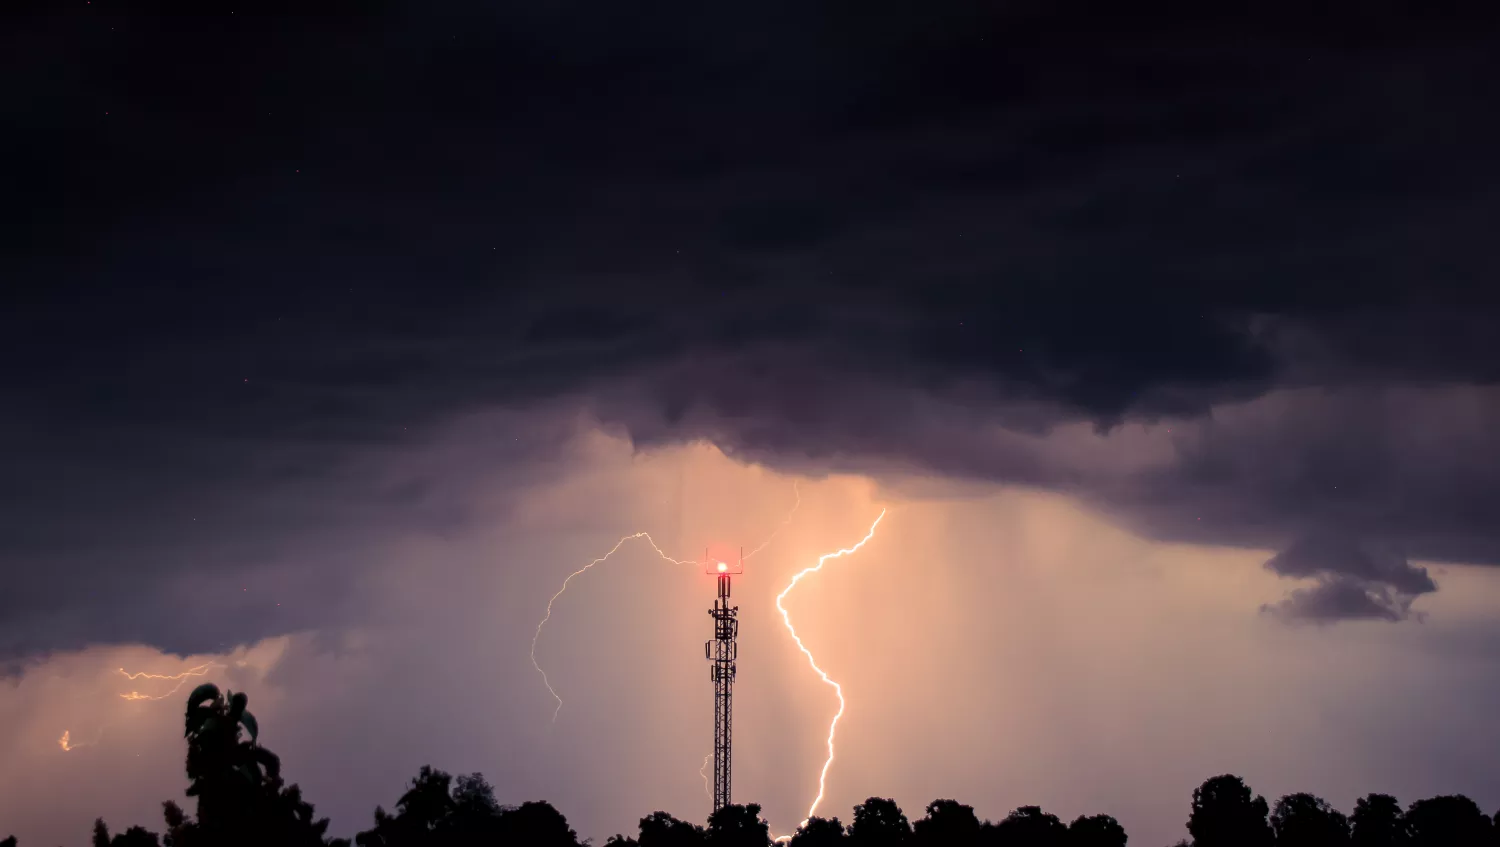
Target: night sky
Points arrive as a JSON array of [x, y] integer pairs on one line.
[[334, 335]]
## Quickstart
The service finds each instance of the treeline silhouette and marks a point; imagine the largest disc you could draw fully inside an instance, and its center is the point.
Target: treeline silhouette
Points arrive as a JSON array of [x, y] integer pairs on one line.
[[244, 802]]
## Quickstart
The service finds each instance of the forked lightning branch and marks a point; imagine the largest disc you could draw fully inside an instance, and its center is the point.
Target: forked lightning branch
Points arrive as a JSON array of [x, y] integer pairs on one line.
[[721, 651]]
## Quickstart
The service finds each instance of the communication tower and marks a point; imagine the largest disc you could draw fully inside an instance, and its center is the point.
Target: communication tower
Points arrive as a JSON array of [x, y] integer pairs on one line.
[[722, 651]]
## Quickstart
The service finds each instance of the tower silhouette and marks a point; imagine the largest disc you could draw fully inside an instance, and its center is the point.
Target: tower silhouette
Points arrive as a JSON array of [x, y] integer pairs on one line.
[[722, 651]]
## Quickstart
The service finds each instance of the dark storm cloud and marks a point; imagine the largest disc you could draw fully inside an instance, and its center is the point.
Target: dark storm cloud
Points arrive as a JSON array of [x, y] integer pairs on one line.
[[1330, 556], [1339, 599], [247, 249], [1353, 581]]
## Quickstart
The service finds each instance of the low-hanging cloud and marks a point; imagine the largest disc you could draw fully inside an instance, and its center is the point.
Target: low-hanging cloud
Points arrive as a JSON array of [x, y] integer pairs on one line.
[[1353, 581], [1326, 474]]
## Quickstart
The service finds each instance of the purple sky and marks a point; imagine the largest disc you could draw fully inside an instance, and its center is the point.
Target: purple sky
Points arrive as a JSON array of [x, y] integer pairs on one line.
[[998, 645], [335, 335]]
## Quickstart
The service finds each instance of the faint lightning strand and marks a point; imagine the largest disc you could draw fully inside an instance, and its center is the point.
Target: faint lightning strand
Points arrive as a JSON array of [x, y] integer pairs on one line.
[[181, 678], [548, 616], [68, 744], [703, 772], [797, 491], [838, 689]]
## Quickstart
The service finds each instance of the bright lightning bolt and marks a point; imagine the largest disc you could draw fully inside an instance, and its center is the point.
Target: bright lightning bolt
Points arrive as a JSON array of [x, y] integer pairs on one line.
[[181, 678], [65, 743], [838, 689], [548, 616]]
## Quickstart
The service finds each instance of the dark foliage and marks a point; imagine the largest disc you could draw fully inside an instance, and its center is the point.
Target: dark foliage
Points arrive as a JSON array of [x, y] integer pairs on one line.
[[1029, 826], [1226, 813], [136, 836], [820, 832], [1378, 822], [879, 823], [738, 826], [948, 823], [536, 824], [441, 811], [242, 801], [660, 829], [1302, 820], [1452, 821], [1096, 831]]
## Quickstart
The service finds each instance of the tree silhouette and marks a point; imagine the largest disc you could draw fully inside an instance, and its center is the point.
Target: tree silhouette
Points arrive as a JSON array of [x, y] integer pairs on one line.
[[1377, 822], [879, 822], [9, 841], [473, 796], [476, 815], [1449, 821], [423, 814], [1029, 826], [738, 826], [1302, 820], [135, 836], [660, 829], [536, 824], [948, 823], [438, 810], [1096, 831], [242, 800], [178, 825], [1226, 813], [819, 832]]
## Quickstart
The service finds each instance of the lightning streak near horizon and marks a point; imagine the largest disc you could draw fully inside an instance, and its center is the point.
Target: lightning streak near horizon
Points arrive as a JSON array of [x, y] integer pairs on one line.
[[837, 689]]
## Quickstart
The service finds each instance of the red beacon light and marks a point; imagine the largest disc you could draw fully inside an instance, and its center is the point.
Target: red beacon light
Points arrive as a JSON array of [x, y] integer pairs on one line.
[[720, 563]]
